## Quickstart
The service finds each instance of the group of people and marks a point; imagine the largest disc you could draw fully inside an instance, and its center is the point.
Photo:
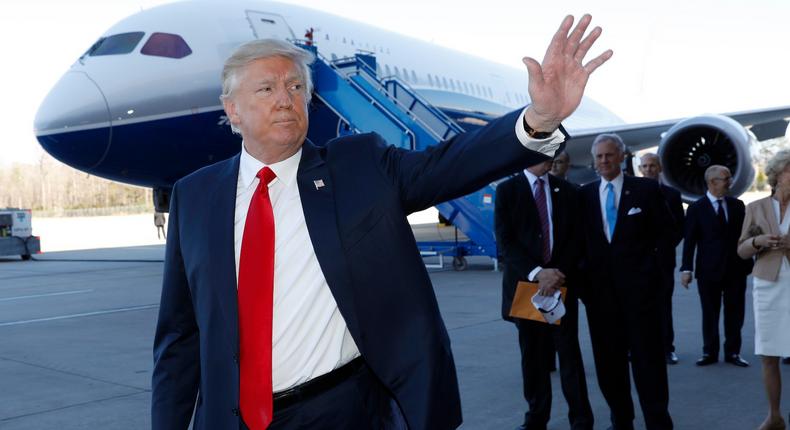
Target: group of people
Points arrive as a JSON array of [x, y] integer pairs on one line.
[[279, 311], [612, 244]]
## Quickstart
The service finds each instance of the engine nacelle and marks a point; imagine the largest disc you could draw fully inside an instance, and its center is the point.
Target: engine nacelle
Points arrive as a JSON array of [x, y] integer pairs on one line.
[[694, 144]]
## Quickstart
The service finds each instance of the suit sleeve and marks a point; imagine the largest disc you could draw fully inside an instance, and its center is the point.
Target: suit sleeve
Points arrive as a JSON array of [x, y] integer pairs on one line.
[[176, 372], [459, 166], [664, 223], [514, 253], [690, 239], [676, 208]]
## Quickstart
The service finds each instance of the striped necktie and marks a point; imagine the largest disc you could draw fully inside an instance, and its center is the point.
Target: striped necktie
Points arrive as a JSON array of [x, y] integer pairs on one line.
[[543, 214]]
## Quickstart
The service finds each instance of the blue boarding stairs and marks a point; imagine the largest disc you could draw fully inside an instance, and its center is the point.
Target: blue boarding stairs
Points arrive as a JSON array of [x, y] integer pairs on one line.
[[365, 102]]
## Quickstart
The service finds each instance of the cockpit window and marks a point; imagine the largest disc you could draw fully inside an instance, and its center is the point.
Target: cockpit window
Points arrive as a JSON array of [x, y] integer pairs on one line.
[[122, 43], [166, 45]]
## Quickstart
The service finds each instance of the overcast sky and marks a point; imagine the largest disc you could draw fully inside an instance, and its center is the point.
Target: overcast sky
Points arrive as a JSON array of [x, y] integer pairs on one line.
[[673, 58]]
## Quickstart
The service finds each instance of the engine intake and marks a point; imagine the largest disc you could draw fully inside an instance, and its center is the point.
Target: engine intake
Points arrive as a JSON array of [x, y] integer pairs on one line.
[[694, 144]]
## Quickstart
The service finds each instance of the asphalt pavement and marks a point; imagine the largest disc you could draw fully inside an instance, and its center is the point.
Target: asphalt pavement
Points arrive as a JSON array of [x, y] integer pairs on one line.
[[76, 330]]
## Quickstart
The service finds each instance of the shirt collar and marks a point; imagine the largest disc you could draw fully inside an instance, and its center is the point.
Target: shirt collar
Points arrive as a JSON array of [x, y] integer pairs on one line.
[[616, 182], [713, 199], [532, 178], [285, 170]]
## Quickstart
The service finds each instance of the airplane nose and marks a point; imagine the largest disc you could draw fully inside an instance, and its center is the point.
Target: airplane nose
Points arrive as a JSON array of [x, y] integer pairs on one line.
[[73, 122]]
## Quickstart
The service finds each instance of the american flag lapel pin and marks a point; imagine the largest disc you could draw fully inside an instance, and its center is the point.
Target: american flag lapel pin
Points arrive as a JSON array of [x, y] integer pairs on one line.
[[319, 183]]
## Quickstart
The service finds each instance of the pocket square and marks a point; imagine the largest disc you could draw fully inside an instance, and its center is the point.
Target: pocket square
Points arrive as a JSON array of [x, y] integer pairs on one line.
[[634, 211]]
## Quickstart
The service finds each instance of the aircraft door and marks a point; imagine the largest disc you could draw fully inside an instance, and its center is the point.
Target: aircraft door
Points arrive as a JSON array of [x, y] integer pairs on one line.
[[269, 26]]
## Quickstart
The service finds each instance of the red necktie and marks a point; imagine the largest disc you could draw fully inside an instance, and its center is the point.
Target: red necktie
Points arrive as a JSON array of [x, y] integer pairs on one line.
[[543, 214], [256, 295]]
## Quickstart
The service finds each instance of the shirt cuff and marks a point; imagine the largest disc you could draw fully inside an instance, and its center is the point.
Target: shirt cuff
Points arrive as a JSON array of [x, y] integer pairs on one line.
[[546, 146], [534, 274]]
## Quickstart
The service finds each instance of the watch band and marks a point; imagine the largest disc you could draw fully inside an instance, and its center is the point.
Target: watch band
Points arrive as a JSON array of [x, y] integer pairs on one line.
[[531, 132]]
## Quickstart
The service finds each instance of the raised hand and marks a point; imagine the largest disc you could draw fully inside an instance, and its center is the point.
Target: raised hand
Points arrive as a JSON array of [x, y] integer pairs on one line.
[[557, 85]]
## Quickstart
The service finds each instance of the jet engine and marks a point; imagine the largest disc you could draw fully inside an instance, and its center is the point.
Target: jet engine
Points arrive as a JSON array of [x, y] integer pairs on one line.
[[694, 144]]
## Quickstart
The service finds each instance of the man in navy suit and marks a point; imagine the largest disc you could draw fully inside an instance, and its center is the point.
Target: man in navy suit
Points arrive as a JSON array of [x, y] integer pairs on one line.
[[650, 167], [713, 227], [353, 338], [538, 233], [626, 229]]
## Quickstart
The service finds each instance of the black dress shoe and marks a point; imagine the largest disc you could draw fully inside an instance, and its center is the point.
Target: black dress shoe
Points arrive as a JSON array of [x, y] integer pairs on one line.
[[706, 360], [736, 360], [786, 360], [672, 358]]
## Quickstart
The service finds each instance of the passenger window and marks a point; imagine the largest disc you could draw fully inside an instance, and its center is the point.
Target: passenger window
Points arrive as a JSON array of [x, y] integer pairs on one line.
[[166, 45], [116, 44]]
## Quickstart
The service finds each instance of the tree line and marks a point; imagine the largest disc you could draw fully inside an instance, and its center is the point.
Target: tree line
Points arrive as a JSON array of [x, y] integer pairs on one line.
[[57, 189]]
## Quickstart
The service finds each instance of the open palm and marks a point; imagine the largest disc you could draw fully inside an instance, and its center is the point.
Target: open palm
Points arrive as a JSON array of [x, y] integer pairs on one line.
[[556, 85]]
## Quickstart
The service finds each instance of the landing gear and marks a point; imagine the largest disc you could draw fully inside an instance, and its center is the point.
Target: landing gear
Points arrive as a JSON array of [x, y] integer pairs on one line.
[[459, 263]]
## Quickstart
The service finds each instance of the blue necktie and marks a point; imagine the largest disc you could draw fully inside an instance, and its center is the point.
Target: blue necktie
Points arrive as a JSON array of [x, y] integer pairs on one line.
[[611, 210]]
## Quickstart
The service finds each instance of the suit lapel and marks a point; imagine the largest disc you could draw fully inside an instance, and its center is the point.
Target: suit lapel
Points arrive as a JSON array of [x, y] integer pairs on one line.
[[767, 206], [221, 249], [317, 193], [626, 203], [557, 212], [594, 203]]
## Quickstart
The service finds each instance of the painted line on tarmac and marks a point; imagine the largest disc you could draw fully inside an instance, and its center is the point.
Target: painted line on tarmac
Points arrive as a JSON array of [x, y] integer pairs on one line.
[[86, 314], [35, 296]]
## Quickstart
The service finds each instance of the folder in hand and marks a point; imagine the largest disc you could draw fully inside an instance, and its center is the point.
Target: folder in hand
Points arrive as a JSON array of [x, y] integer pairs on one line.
[[522, 306]]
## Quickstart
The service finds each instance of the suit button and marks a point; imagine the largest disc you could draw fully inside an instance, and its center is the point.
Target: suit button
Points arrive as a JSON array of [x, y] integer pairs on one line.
[[236, 358], [235, 411]]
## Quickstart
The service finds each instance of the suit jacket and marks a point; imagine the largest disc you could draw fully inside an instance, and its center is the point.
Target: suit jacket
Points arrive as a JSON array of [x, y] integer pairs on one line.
[[675, 205], [716, 245], [368, 255], [629, 263], [520, 239], [760, 214]]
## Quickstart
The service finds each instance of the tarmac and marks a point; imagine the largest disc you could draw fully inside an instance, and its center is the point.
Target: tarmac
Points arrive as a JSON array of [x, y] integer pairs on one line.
[[76, 332]]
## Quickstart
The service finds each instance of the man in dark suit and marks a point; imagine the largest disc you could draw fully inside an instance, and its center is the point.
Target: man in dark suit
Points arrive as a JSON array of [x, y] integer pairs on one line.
[[279, 309], [650, 167], [625, 219], [713, 226], [537, 231]]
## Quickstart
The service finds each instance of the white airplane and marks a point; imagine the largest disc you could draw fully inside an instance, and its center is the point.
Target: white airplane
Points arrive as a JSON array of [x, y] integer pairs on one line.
[[141, 106]]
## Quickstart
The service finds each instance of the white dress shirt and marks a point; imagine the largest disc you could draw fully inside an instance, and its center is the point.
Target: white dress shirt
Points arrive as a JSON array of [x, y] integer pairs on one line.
[[617, 183], [533, 186], [309, 335], [714, 201]]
